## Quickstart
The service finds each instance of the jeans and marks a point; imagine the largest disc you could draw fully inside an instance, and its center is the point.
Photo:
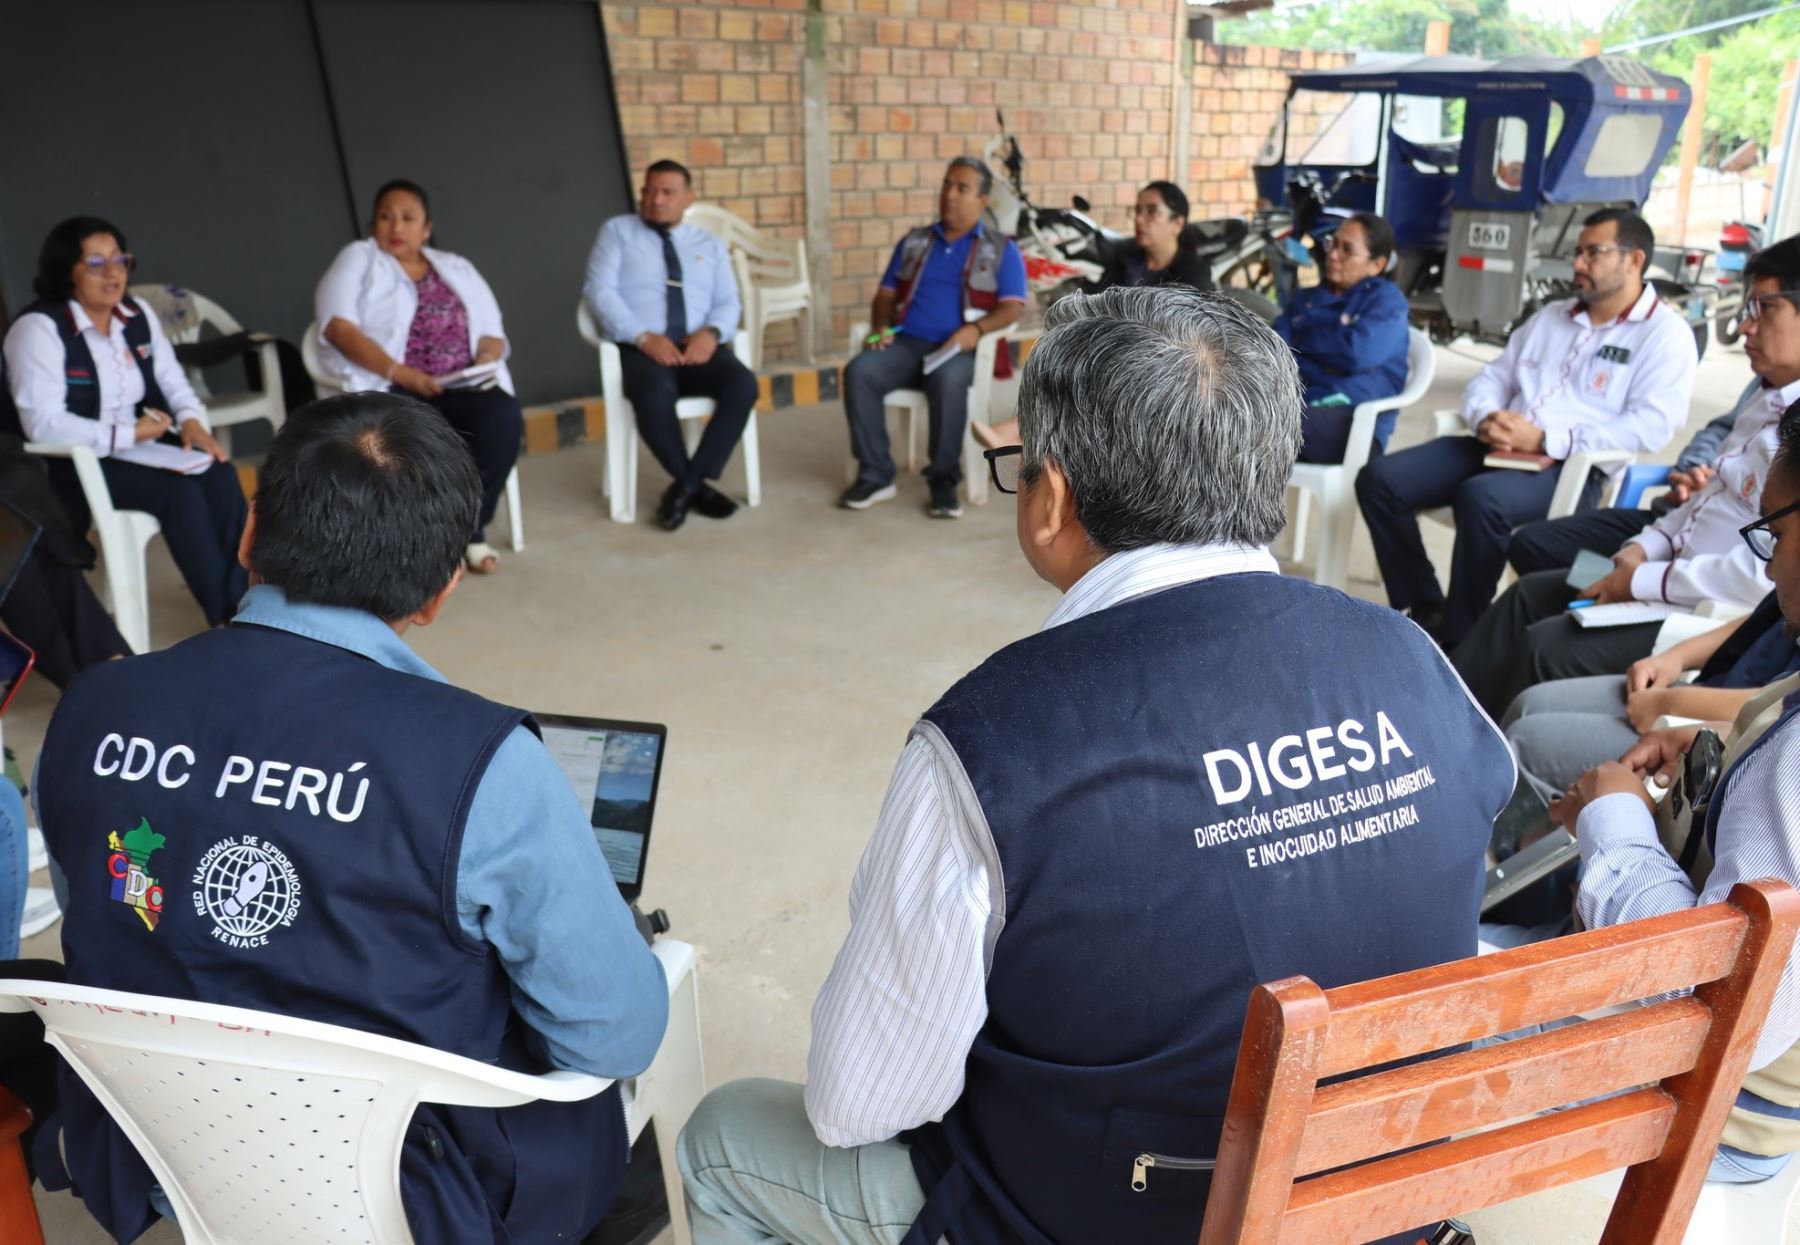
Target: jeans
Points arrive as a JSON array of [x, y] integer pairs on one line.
[[756, 1173], [15, 868], [873, 374]]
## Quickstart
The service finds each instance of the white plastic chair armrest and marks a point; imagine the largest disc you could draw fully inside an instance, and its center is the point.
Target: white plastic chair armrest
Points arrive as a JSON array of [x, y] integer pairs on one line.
[[1669, 721], [1573, 481], [87, 471], [1721, 611], [1362, 430], [1449, 423]]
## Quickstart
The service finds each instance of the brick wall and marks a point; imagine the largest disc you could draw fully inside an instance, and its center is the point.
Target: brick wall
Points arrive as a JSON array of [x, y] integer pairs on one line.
[[1087, 87], [1238, 93]]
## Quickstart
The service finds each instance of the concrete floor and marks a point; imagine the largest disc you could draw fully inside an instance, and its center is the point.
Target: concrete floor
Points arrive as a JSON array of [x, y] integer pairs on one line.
[[788, 650]]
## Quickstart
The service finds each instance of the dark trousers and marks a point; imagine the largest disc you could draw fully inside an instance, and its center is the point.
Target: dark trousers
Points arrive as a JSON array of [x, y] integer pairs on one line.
[[1325, 433], [873, 374], [652, 390], [1551, 544], [1528, 638], [202, 518], [1488, 503], [53, 611], [491, 423]]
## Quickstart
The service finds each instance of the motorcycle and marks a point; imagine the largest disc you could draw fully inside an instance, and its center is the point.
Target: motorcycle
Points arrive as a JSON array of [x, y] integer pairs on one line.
[[1067, 250], [1064, 250], [1737, 240]]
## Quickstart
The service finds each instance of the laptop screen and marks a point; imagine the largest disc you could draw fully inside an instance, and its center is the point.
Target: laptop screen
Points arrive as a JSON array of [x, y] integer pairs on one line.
[[614, 768]]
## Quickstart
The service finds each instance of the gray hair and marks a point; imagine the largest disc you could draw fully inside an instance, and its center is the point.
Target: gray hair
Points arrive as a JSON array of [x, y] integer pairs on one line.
[[980, 169], [1174, 414]]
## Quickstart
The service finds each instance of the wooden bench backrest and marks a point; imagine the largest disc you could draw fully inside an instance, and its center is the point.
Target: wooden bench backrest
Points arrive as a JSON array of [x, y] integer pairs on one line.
[[1379, 1138]]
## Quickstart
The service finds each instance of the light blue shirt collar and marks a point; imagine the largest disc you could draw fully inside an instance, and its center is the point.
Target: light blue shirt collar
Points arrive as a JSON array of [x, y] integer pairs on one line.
[[355, 631]]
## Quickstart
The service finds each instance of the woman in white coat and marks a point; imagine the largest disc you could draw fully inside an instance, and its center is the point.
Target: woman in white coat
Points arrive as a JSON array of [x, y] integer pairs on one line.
[[397, 314]]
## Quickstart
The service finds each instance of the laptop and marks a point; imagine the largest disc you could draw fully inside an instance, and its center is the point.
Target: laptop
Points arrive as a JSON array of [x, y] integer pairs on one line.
[[615, 767]]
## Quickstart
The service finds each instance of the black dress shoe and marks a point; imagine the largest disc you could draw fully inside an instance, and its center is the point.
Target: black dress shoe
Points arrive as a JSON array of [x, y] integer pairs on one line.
[[672, 511], [710, 502]]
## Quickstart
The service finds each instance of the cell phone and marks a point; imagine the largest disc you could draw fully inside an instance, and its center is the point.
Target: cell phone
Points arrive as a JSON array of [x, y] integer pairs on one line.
[[16, 661], [1589, 568]]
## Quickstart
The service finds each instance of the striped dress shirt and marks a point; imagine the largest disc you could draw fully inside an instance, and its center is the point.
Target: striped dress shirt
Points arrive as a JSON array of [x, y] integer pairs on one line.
[[1629, 876], [893, 1025]]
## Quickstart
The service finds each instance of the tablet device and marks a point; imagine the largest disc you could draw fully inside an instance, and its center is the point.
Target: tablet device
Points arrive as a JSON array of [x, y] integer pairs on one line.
[[615, 768], [1521, 869]]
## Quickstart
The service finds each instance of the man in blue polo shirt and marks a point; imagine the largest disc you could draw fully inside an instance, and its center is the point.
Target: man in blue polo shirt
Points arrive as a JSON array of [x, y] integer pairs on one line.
[[947, 282]]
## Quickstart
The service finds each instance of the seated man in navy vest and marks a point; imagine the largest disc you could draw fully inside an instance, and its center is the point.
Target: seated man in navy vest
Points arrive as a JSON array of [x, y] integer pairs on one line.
[[946, 283], [1198, 776], [408, 859]]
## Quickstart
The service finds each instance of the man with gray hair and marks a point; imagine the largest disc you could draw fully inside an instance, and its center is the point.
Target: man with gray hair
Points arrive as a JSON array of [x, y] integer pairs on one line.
[[946, 284], [1198, 776]]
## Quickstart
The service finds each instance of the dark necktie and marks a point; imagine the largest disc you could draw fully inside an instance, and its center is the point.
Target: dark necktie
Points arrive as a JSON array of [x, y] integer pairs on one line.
[[677, 301]]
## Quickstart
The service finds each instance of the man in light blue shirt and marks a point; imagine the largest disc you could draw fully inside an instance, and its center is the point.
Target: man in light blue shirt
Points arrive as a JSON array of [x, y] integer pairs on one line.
[[947, 284], [421, 867], [1639, 861], [663, 290]]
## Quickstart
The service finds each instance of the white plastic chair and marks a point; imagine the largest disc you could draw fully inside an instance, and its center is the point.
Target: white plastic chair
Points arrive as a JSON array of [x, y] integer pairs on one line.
[[1569, 486], [123, 534], [915, 408], [773, 280], [325, 385], [1335, 484], [618, 476], [223, 410], [268, 1130]]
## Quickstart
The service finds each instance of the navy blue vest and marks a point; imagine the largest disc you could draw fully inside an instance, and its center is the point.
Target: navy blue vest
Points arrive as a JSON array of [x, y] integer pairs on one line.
[[82, 388], [261, 820], [1213, 786]]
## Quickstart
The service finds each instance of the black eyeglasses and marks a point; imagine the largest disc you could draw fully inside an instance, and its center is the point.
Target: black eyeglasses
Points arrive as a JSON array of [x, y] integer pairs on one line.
[[1758, 534], [1003, 466], [98, 264]]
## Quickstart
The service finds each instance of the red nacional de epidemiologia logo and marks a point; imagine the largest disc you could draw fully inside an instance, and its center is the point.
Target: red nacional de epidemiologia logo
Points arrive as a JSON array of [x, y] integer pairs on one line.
[[129, 865]]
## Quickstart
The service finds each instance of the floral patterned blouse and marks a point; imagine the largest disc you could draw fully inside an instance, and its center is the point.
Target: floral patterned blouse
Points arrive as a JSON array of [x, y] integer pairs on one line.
[[438, 341]]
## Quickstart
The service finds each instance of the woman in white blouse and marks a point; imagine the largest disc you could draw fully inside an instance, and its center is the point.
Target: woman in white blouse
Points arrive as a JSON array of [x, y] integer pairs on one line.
[[87, 364], [396, 314]]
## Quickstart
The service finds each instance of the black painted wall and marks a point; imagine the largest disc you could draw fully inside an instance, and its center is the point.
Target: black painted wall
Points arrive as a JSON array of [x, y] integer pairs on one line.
[[237, 144]]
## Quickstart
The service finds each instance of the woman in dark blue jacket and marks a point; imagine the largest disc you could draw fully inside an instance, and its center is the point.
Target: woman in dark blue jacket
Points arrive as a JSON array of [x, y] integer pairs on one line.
[[1349, 337]]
